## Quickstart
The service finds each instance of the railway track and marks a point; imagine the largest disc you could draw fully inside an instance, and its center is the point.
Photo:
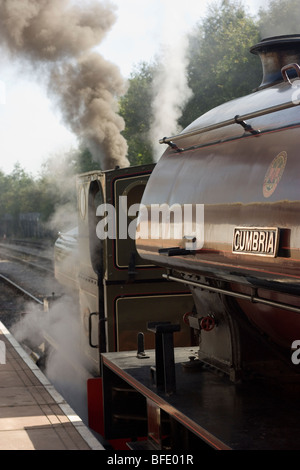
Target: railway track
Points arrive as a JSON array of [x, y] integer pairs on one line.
[[20, 289], [30, 268], [35, 256], [26, 278], [14, 301]]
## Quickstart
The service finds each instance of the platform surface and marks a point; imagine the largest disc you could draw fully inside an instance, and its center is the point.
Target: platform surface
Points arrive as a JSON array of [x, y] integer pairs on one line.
[[33, 415]]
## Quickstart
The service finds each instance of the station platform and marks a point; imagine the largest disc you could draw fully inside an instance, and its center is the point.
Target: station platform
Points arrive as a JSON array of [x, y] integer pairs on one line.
[[33, 415]]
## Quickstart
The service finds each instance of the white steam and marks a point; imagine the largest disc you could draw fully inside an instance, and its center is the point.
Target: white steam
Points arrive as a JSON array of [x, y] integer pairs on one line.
[[64, 363], [170, 90]]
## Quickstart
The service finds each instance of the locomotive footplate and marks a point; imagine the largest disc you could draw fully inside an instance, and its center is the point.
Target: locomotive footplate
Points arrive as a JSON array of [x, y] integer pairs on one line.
[[206, 411]]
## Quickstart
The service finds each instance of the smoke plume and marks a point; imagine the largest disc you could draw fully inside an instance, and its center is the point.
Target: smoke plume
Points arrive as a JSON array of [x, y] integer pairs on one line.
[[56, 38]]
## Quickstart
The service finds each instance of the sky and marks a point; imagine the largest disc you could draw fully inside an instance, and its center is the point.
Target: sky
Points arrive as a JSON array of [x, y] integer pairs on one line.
[[31, 128]]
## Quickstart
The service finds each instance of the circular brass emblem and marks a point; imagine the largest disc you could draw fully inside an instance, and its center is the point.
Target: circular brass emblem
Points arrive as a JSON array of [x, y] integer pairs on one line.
[[274, 174]]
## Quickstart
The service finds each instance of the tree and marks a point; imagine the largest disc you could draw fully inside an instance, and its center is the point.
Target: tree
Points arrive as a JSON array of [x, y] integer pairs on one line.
[[17, 195], [4, 188], [221, 67], [135, 108], [52, 192], [281, 17], [84, 161]]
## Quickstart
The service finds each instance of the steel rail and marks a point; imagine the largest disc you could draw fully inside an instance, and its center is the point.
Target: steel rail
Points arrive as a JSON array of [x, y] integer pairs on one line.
[[19, 288], [26, 261]]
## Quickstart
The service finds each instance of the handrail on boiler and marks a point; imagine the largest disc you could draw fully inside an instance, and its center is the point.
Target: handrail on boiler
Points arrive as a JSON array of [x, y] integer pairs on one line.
[[236, 120], [254, 298]]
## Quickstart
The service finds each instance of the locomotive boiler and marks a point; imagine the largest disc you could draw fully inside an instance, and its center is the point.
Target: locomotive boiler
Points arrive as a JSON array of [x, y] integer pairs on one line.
[[229, 186], [240, 161]]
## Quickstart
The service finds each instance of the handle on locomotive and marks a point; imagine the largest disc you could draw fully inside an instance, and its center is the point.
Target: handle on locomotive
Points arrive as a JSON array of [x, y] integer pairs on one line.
[[90, 330], [289, 67]]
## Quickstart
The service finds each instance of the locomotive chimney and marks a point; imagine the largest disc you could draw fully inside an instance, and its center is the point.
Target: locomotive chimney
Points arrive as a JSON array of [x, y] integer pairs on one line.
[[275, 53]]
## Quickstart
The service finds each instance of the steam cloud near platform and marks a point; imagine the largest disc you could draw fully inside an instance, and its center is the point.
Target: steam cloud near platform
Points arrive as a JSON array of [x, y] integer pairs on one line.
[[56, 39], [64, 365]]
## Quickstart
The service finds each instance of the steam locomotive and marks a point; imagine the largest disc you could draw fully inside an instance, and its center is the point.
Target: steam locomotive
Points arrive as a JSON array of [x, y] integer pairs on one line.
[[193, 327]]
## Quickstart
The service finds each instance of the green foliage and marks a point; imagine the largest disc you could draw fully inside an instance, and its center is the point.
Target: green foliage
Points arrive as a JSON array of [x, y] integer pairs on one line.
[[19, 192], [281, 17], [16, 191], [54, 188], [221, 67], [135, 108], [81, 160]]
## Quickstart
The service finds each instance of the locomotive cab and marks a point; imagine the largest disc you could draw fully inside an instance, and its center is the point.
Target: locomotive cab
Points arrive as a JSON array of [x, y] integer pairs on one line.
[[118, 291]]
